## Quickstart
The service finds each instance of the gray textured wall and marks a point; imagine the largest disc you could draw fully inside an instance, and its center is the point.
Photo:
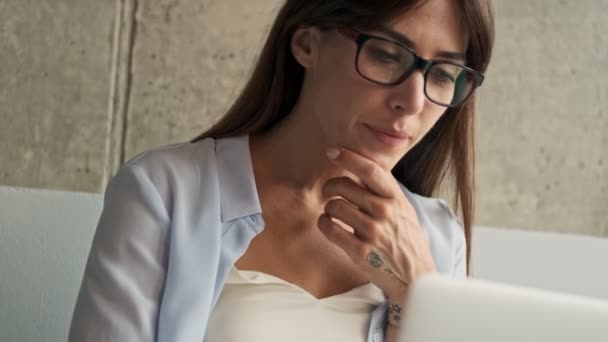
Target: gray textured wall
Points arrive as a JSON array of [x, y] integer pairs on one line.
[[86, 84], [543, 123]]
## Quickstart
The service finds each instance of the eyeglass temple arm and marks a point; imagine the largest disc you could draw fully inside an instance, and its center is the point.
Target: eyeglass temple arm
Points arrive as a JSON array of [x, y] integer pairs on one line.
[[348, 32]]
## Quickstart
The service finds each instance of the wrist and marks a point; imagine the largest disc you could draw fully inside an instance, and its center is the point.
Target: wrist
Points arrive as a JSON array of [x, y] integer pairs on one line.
[[395, 313], [396, 306], [398, 296]]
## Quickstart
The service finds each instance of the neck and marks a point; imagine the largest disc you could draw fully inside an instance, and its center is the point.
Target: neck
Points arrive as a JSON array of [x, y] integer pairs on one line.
[[291, 159]]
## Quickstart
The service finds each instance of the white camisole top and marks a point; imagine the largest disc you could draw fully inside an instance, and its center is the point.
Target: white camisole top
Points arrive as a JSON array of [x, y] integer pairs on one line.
[[258, 307]]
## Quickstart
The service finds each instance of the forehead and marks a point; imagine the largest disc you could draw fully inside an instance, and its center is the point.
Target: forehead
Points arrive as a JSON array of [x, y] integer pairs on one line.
[[435, 25]]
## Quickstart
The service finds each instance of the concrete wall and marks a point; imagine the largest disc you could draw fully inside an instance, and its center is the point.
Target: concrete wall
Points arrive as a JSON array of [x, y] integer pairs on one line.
[[87, 84], [543, 123]]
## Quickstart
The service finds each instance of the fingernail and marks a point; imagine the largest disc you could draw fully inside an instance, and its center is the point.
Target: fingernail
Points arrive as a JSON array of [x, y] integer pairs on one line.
[[333, 153]]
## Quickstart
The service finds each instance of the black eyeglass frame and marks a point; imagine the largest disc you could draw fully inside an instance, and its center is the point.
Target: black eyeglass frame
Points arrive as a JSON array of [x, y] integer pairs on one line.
[[419, 64]]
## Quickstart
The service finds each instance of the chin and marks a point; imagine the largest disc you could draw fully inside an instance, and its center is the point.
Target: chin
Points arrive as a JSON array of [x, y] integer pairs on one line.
[[385, 159]]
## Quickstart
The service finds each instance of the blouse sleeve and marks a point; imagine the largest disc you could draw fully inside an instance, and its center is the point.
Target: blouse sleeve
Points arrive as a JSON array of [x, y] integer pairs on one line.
[[460, 266], [460, 244], [454, 230], [125, 271]]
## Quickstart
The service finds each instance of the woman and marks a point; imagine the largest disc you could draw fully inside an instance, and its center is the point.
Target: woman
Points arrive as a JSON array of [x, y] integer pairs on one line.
[[307, 211]]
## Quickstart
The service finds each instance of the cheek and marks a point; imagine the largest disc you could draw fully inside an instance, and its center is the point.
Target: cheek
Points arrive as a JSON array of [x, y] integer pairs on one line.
[[343, 95], [430, 116]]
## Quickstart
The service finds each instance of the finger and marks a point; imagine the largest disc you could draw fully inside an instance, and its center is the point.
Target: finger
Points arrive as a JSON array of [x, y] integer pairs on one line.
[[369, 202], [348, 242], [371, 174], [360, 222]]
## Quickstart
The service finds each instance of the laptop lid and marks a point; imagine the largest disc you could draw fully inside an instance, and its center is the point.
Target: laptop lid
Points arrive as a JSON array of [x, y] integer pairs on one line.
[[442, 309]]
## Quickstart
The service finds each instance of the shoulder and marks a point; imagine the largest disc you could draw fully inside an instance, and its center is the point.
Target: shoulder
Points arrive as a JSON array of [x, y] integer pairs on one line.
[[443, 228], [183, 161], [167, 170], [175, 157]]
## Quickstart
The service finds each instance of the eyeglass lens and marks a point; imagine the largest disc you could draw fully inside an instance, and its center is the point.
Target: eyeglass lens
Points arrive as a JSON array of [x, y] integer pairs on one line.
[[385, 62]]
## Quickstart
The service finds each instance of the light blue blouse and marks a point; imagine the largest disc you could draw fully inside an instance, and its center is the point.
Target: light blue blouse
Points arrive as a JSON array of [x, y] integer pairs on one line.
[[174, 222]]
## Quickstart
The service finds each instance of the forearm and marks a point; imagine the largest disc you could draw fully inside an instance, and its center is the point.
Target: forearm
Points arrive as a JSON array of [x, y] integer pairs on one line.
[[392, 333], [394, 319]]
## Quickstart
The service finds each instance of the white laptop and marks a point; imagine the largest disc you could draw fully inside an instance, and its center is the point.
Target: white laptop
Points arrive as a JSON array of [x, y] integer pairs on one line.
[[443, 309]]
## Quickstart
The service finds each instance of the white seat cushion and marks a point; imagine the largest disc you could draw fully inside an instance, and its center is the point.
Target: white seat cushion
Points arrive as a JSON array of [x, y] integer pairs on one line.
[[45, 238], [562, 262]]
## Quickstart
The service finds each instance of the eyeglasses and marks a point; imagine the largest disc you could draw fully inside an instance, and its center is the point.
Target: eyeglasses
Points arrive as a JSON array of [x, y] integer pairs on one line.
[[385, 62]]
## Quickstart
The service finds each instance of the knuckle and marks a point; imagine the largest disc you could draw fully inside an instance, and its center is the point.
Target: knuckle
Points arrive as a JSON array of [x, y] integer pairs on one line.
[[372, 232], [362, 250], [329, 186], [348, 182], [328, 229], [323, 220], [334, 206], [370, 171], [329, 232], [369, 227], [381, 210], [373, 235]]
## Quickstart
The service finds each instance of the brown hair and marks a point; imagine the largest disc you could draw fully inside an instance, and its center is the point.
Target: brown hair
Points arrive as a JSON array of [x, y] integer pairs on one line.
[[276, 81]]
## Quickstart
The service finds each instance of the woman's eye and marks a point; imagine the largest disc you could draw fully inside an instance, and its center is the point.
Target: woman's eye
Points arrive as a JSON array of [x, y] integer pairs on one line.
[[385, 56], [442, 77]]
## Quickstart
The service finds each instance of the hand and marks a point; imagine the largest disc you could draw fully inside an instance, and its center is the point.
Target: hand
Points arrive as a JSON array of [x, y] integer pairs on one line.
[[387, 241]]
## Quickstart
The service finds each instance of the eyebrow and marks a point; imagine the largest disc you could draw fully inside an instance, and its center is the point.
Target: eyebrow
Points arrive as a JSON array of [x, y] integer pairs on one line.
[[403, 40]]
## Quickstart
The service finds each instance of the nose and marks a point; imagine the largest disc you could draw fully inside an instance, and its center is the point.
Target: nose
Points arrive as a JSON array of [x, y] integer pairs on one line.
[[407, 98]]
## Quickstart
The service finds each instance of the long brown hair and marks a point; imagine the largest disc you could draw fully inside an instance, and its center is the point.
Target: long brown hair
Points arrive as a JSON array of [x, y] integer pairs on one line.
[[445, 153]]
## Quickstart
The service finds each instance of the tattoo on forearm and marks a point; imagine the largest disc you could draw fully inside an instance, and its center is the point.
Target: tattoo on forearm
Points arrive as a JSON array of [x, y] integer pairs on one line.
[[394, 314], [377, 261]]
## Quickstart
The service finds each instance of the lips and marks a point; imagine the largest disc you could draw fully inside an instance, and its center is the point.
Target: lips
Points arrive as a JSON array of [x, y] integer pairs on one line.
[[390, 137], [390, 132]]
